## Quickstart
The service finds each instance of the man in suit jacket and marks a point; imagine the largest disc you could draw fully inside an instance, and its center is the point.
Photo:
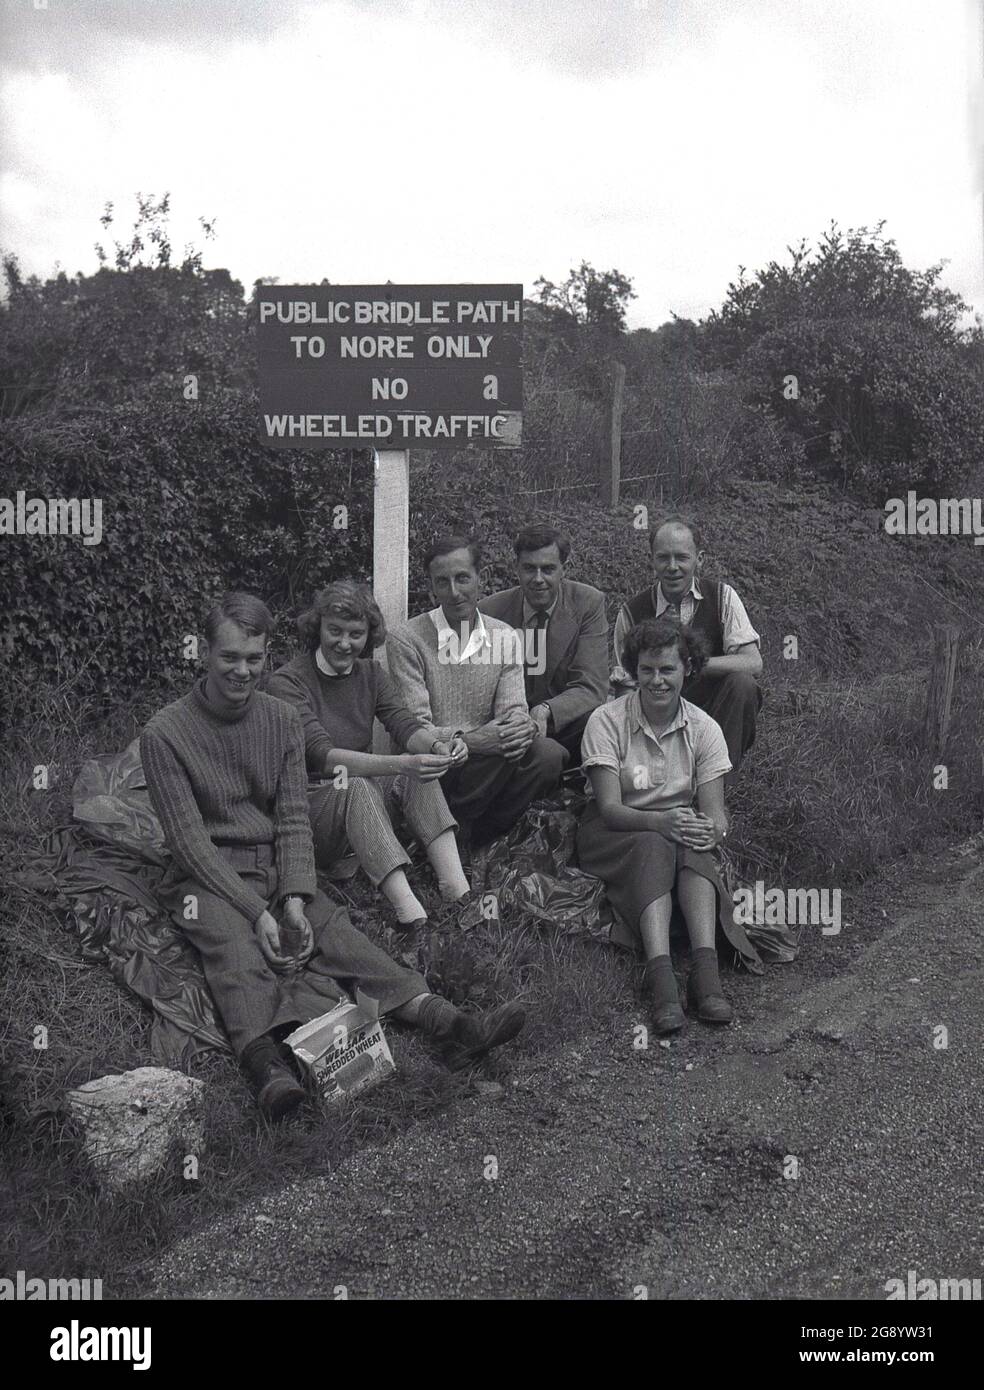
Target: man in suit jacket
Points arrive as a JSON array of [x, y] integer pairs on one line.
[[566, 636]]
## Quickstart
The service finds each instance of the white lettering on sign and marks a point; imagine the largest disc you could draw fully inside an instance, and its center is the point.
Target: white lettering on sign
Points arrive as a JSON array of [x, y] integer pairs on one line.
[[402, 311], [453, 426], [303, 311], [327, 426], [385, 388], [489, 311], [414, 426], [463, 345], [386, 345]]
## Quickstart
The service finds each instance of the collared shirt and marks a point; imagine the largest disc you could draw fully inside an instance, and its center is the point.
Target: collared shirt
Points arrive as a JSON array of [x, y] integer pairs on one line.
[[326, 670], [656, 772], [448, 641], [530, 613], [736, 627]]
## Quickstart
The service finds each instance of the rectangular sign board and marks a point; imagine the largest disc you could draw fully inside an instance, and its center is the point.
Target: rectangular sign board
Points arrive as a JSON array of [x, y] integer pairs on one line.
[[390, 366]]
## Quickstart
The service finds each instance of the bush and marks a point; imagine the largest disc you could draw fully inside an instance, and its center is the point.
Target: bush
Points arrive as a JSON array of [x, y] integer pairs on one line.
[[193, 503]]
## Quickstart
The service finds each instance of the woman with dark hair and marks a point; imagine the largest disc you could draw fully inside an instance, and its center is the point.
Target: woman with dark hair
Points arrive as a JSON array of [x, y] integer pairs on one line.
[[338, 691], [648, 756]]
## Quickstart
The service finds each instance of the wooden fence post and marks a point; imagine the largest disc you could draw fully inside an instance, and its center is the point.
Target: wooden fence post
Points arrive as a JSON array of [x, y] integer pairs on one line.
[[615, 451], [946, 639]]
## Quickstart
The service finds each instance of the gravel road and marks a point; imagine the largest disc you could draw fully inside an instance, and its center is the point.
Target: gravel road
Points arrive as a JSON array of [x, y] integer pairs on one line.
[[823, 1145]]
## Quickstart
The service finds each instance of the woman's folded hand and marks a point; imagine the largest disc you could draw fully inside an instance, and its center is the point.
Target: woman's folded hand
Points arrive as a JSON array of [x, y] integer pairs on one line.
[[703, 835], [688, 827]]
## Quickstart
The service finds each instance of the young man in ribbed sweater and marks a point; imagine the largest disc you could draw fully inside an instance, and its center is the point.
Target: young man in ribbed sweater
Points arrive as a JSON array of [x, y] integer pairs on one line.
[[225, 772], [463, 671]]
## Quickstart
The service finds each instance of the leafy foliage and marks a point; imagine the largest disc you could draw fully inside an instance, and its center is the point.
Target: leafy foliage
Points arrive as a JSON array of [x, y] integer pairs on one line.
[[193, 503], [887, 393]]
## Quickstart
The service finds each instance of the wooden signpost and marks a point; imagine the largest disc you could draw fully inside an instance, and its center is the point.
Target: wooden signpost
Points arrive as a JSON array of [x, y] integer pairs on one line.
[[390, 366]]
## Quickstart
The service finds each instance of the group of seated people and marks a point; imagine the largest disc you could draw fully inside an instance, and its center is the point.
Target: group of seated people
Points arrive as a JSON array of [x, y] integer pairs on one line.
[[489, 702]]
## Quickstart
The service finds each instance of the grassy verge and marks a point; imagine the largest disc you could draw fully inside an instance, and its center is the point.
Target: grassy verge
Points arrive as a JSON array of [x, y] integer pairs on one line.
[[837, 785]]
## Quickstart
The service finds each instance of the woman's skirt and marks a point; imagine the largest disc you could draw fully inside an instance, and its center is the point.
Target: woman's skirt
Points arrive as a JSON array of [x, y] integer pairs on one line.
[[640, 866]]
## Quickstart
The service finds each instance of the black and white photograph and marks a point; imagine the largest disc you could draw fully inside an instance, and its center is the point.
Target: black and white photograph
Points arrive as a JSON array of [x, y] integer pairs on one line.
[[492, 551]]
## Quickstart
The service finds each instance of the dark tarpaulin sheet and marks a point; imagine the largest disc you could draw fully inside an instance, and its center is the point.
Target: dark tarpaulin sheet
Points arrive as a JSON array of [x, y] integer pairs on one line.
[[108, 867], [531, 870]]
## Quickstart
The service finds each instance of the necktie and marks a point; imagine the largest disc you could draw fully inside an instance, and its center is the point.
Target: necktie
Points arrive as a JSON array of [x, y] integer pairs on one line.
[[536, 659]]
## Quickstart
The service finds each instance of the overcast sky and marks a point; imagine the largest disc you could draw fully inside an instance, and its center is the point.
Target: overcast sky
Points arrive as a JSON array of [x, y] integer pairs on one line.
[[442, 141]]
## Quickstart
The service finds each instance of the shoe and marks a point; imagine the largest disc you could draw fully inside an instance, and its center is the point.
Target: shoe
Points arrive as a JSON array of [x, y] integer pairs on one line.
[[277, 1090], [668, 1018], [409, 928], [474, 1035], [659, 988], [707, 1001], [711, 1008]]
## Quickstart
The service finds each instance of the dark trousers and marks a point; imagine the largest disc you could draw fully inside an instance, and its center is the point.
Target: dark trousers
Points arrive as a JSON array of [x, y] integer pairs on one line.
[[734, 701], [250, 997], [570, 737], [492, 793]]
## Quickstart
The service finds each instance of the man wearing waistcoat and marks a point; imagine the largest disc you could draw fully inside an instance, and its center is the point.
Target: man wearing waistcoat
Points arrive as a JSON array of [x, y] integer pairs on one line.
[[565, 634], [727, 688]]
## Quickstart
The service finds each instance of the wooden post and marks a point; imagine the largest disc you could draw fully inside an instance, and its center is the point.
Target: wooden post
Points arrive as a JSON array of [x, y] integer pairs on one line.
[[615, 467], [390, 548], [940, 695]]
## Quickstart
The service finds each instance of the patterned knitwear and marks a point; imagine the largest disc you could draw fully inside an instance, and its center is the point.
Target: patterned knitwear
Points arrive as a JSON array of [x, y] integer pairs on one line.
[[456, 695], [235, 778]]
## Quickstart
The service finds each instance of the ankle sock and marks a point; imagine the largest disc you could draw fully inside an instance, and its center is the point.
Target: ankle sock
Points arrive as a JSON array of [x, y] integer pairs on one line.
[[436, 1016], [446, 863], [401, 897], [704, 975]]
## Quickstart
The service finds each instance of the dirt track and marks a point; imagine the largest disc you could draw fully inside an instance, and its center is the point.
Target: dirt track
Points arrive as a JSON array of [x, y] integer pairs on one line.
[[624, 1173]]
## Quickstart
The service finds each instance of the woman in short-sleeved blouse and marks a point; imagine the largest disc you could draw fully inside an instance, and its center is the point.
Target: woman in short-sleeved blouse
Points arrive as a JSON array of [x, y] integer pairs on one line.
[[352, 791], [649, 756]]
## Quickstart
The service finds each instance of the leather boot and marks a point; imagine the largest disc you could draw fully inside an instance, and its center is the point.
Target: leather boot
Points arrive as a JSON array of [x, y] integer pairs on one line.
[[659, 988], [277, 1090], [466, 1038], [704, 993]]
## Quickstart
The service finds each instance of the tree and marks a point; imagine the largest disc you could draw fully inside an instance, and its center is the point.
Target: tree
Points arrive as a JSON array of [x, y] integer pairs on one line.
[[596, 299], [861, 359], [138, 323], [576, 328], [850, 275]]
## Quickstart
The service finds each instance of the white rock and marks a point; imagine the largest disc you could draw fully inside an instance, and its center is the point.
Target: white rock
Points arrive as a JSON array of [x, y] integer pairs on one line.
[[133, 1122]]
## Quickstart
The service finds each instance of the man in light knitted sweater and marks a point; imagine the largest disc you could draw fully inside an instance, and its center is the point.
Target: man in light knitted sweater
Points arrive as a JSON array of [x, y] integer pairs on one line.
[[463, 671], [225, 772]]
